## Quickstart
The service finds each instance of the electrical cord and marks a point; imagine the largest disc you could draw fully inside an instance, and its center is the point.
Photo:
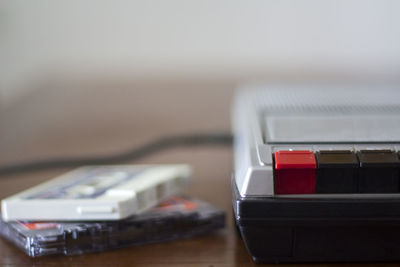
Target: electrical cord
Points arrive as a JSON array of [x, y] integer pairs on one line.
[[129, 155]]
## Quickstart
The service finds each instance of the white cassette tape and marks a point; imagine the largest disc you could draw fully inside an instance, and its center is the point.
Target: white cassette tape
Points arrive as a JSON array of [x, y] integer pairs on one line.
[[97, 193]]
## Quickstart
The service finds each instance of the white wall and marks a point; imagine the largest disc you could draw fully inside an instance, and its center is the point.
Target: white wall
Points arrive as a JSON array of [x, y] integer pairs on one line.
[[182, 38]]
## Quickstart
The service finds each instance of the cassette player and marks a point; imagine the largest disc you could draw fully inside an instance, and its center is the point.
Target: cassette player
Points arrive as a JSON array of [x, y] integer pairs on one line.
[[317, 171]]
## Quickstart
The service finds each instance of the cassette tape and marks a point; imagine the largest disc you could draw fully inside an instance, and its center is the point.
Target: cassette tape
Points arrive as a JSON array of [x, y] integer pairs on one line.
[[98, 193], [176, 218]]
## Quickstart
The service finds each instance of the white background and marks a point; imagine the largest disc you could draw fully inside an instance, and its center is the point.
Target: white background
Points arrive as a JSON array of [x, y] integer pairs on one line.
[[183, 38]]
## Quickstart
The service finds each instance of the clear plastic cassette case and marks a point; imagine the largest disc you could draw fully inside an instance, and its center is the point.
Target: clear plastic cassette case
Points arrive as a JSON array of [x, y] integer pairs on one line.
[[177, 218]]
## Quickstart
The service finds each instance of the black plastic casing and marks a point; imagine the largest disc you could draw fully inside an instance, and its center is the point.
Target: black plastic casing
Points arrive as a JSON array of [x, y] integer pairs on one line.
[[318, 230]]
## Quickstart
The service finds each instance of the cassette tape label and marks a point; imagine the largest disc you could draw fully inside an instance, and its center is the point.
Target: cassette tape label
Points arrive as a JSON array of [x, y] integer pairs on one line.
[[89, 184]]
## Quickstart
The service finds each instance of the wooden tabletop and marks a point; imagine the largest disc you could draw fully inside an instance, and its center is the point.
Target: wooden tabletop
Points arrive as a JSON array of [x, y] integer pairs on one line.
[[84, 118]]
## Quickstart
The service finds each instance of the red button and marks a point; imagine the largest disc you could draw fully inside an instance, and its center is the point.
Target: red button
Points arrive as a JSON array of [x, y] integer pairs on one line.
[[294, 172]]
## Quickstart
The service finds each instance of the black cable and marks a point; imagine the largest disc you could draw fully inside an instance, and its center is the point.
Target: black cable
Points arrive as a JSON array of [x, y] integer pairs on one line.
[[132, 154]]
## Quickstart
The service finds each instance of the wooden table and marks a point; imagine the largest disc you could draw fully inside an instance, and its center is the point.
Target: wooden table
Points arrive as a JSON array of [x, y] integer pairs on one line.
[[84, 118]]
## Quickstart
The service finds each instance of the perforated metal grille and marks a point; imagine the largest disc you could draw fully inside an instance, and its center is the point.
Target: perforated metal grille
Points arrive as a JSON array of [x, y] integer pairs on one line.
[[332, 100], [332, 114]]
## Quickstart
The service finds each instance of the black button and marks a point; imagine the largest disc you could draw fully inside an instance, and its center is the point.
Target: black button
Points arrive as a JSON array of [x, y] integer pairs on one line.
[[337, 172], [379, 171]]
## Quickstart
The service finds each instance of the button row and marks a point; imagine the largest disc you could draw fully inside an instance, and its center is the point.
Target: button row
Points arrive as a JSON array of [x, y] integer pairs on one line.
[[336, 171]]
